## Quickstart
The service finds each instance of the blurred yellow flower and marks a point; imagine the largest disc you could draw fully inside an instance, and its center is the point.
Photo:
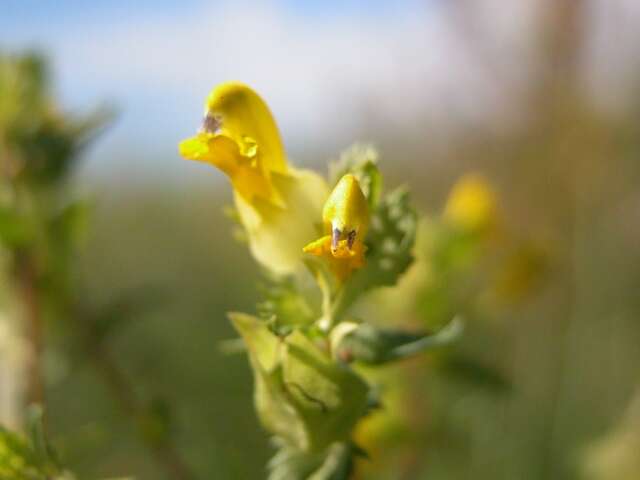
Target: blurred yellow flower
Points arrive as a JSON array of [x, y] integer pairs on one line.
[[615, 456], [472, 204], [276, 203], [346, 221]]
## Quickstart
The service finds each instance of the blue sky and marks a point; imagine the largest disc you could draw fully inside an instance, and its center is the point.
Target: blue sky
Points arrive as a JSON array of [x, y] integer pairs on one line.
[[27, 11], [327, 68], [316, 62]]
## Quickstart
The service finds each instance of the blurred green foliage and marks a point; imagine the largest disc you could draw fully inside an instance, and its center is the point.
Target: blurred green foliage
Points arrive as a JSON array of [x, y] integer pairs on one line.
[[30, 458], [41, 219], [537, 388]]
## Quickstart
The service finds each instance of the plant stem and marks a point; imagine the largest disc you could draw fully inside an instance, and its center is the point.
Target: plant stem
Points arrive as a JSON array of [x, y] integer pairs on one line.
[[28, 293]]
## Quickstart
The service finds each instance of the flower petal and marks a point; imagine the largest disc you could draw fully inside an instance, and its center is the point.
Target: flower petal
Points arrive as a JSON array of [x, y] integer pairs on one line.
[[278, 234], [224, 153], [346, 208], [245, 118]]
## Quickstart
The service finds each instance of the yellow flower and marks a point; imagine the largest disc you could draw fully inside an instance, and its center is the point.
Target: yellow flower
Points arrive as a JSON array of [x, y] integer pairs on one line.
[[472, 204], [346, 220], [276, 203], [240, 137]]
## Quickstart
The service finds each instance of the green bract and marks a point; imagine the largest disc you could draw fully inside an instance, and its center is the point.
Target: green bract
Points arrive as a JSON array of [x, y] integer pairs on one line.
[[301, 395]]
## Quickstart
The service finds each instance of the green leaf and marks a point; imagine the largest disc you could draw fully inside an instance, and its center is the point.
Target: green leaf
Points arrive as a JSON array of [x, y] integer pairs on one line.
[[301, 394], [360, 160], [389, 249], [368, 344]]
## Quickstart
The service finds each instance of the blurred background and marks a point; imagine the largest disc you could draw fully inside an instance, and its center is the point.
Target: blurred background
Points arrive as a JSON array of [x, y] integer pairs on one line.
[[539, 100]]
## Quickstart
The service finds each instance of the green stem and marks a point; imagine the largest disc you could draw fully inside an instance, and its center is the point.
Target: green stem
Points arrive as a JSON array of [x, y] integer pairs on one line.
[[27, 290]]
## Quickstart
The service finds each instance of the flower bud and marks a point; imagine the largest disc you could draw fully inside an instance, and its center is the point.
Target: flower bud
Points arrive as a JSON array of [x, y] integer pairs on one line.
[[346, 220]]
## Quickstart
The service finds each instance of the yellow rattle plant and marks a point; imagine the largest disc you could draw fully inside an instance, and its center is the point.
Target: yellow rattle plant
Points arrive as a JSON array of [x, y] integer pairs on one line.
[[351, 239]]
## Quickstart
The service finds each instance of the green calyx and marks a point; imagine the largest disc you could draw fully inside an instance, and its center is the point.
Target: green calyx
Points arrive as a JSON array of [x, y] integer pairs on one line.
[[301, 394]]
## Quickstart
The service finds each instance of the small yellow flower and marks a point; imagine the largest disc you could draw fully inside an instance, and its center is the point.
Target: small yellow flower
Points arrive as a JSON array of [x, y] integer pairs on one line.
[[472, 204], [240, 137], [276, 203], [346, 220]]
